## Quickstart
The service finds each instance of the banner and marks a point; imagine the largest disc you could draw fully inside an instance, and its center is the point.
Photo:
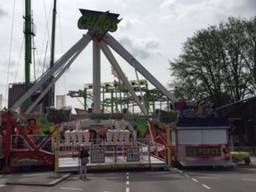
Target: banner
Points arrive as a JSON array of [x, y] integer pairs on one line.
[[133, 154]]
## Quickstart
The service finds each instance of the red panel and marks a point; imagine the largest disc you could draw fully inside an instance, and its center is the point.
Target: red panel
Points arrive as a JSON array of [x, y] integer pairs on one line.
[[43, 157]]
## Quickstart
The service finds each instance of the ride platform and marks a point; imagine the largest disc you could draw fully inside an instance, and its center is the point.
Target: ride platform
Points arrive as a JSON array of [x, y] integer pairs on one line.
[[69, 164]]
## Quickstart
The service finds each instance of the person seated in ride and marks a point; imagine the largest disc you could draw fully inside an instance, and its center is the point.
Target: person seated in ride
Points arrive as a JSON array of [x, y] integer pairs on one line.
[[33, 127]]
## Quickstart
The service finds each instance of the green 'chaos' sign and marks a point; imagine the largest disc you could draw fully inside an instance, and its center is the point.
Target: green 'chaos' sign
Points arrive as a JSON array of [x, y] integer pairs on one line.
[[98, 22], [203, 151]]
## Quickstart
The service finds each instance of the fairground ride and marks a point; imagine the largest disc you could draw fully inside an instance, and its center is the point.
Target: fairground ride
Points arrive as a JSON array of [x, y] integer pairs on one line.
[[21, 145], [115, 97]]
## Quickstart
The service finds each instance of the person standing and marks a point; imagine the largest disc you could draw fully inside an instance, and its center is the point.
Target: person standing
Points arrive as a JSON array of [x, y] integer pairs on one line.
[[84, 160]]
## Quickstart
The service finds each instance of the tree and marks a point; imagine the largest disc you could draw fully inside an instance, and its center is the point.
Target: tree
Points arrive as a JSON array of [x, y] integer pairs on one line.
[[216, 63], [250, 52]]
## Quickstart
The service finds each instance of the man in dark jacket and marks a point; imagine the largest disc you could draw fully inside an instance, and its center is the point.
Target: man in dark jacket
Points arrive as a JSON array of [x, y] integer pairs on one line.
[[84, 160]]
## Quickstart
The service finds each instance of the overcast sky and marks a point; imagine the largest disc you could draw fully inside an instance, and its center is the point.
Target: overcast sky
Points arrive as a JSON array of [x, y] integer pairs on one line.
[[152, 30]]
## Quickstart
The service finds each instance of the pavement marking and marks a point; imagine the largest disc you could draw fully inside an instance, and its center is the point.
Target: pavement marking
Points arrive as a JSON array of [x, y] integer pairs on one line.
[[72, 189], [247, 179], [127, 182], [186, 175], [2, 185], [195, 180], [206, 186], [213, 178], [180, 171]]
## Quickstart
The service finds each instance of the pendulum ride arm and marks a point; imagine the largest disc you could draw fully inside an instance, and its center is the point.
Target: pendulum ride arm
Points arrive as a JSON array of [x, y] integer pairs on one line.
[[115, 45], [53, 81], [57, 68], [119, 71]]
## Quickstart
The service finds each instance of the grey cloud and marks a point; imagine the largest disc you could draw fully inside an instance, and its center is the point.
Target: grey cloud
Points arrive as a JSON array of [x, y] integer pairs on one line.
[[141, 49], [152, 44], [5, 63], [128, 24], [2, 13], [2, 84], [250, 5]]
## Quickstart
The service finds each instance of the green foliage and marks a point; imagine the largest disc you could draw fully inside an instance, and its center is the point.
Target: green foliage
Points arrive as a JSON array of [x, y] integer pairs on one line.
[[141, 126], [218, 63]]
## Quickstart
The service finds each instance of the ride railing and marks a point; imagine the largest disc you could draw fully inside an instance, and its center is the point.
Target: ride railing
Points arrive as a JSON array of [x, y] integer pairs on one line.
[[152, 148], [102, 151]]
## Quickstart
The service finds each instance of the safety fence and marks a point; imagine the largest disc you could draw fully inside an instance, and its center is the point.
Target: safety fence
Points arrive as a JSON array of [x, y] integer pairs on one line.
[[103, 152]]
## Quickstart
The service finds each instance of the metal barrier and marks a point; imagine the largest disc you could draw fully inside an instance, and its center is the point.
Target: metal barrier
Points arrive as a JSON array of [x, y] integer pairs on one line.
[[110, 149], [102, 152]]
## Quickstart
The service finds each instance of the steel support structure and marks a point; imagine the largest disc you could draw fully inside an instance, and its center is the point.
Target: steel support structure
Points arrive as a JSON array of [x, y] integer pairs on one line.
[[96, 78], [59, 64], [117, 47], [53, 81], [122, 76]]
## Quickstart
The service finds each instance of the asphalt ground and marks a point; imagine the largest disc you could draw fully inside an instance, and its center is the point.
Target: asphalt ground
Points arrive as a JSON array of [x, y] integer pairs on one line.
[[242, 178]]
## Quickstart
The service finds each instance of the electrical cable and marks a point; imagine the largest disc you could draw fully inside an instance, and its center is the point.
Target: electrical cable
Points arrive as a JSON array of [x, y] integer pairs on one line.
[[19, 59], [59, 23], [38, 60], [46, 37], [45, 56], [10, 47], [34, 59], [60, 26]]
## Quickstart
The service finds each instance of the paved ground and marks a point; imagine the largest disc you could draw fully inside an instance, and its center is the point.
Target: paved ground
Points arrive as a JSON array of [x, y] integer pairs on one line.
[[253, 160], [240, 179]]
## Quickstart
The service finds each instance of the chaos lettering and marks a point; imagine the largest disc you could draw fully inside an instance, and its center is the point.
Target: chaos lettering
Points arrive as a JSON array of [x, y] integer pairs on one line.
[[98, 22]]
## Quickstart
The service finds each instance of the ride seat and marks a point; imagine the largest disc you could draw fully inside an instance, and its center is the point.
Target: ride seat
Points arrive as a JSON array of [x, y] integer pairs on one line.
[[116, 136], [109, 134], [121, 137], [86, 137], [127, 137], [79, 136], [73, 137], [67, 138]]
